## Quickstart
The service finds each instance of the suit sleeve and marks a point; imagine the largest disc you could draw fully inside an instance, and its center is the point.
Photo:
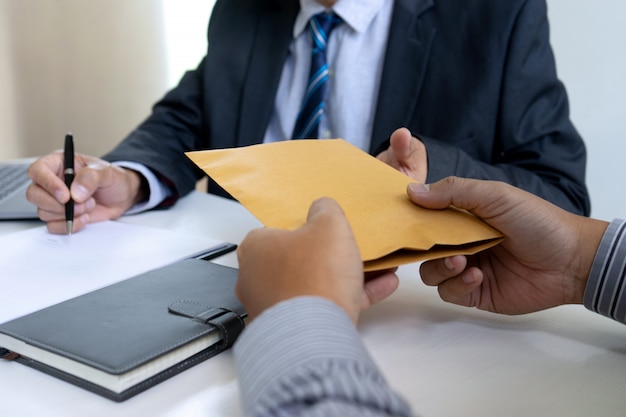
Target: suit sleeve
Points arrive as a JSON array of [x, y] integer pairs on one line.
[[304, 357], [173, 128], [202, 111], [538, 148], [177, 124]]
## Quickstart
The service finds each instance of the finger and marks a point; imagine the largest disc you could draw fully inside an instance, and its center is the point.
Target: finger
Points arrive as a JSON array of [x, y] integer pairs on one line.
[[327, 211], [394, 155], [322, 207], [379, 288], [86, 182], [486, 199], [436, 271], [383, 156], [463, 289], [371, 275], [401, 142], [45, 173], [60, 227], [43, 199], [430, 196]]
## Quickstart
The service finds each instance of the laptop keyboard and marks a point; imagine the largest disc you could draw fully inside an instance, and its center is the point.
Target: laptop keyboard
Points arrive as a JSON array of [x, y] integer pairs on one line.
[[12, 177]]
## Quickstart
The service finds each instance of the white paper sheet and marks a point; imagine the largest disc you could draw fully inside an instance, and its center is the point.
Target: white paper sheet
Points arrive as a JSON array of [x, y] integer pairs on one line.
[[59, 267]]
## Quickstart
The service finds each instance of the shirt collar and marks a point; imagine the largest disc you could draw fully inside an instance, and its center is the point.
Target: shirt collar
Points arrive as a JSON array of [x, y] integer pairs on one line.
[[358, 14]]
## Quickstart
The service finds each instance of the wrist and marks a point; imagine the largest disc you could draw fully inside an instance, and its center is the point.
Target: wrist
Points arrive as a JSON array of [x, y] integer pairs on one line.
[[137, 186], [589, 233]]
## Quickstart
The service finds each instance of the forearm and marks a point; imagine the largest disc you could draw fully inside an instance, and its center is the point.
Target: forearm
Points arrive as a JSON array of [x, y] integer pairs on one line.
[[304, 356], [605, 292]]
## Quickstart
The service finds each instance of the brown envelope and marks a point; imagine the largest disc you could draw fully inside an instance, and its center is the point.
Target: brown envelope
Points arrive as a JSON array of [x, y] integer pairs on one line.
[[277, 182]]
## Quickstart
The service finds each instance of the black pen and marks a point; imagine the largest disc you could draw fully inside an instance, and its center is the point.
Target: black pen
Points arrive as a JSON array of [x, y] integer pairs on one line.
[[68, 172], [217, 251]]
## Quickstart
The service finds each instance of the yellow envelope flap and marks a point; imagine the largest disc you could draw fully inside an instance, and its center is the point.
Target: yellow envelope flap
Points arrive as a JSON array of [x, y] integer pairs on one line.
[[277, 182]]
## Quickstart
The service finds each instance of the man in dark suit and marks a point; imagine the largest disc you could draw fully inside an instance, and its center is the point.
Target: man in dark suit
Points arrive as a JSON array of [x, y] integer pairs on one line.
[[457, 87]]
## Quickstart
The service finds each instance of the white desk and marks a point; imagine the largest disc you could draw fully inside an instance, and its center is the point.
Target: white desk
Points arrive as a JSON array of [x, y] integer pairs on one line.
[[445, 360]]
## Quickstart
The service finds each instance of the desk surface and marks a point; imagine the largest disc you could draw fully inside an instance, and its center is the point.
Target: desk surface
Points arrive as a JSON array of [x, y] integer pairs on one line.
[[444, 359]]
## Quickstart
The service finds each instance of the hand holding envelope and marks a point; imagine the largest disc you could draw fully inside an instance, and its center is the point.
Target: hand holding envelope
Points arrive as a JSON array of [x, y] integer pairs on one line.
[[277, 182]]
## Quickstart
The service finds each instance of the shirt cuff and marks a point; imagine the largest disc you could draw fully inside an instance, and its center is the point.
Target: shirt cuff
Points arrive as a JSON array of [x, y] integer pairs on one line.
[[158, 191], [605, 292], [289, 335]]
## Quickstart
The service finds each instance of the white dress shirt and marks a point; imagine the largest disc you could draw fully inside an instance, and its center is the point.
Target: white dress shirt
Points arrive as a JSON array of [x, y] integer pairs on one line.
[[355, 55]]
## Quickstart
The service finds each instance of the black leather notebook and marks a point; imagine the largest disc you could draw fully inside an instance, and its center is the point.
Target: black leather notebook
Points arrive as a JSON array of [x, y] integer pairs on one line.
[[122, 339]]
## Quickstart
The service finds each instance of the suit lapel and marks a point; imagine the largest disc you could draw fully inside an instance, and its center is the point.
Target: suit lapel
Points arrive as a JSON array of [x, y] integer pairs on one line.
[[272, 37], [406, 60]]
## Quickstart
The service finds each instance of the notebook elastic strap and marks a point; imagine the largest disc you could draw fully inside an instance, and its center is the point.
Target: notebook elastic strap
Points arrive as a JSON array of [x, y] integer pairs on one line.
[[229, 323]]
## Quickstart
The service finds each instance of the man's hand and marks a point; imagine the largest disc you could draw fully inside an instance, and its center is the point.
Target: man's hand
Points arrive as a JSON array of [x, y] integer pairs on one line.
[[407, 154], [319, 259], [100, 190], [543, 262]]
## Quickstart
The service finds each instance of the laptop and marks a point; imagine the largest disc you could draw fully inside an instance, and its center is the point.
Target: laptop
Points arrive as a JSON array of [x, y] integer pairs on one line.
[[13, 183]]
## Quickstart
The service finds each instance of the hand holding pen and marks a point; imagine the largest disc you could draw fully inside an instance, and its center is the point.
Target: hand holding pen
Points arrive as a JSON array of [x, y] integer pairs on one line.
[[71, 189]]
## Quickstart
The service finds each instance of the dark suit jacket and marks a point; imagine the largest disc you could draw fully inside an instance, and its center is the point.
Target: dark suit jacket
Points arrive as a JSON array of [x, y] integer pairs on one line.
[[475, 80]]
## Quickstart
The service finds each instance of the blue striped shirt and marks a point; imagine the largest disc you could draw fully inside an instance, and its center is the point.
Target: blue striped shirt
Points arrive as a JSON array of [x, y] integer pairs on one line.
[[605, 292], [304, 357]]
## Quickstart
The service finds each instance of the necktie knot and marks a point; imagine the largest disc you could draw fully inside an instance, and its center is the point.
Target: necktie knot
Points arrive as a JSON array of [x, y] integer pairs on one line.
[[321, 25]]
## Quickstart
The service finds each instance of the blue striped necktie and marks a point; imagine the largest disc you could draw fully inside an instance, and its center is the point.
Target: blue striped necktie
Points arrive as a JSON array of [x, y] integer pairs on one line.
[[307, 124]]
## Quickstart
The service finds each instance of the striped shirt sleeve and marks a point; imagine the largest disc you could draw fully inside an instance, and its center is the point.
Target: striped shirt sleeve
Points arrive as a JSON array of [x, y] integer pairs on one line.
[[304, 357], [605, 290]]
